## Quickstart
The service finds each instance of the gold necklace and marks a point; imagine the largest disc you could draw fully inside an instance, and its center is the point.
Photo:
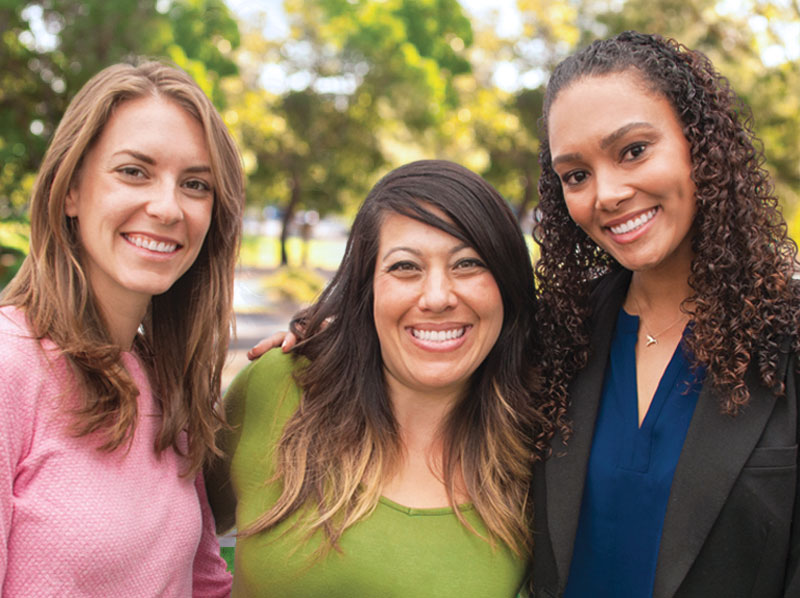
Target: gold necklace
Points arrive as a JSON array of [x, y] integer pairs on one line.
[[652, 339]]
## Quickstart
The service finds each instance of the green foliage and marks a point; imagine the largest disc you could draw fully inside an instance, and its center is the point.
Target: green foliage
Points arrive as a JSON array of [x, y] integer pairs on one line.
[[13, 247], [299, 286], [227, 553], [368, 67], [39, 76], [265, 252], [371, 84]]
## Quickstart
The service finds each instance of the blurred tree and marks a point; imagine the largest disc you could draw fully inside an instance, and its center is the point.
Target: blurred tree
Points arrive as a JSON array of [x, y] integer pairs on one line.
[[49, 48], [495, 128], [353, 69], [750, 43]]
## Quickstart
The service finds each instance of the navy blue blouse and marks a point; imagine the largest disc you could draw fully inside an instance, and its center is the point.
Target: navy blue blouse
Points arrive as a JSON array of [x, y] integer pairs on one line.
[[630, 473]]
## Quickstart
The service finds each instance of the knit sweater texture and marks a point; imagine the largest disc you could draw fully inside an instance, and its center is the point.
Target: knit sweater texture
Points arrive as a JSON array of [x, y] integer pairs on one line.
[[79, 522]]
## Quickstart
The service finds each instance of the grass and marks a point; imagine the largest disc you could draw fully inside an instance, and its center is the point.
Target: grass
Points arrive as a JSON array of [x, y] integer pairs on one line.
[[264, 252], [227, 554], [295, 285]]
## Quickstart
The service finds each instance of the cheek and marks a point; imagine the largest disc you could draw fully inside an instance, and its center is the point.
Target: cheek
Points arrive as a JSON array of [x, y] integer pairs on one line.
[[200, 218], [491, 307], [383, 305], [578, 210]]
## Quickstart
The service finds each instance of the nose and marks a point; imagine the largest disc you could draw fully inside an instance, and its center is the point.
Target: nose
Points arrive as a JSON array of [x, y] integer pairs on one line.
[[164, 204], [437, 293], [611, 189]]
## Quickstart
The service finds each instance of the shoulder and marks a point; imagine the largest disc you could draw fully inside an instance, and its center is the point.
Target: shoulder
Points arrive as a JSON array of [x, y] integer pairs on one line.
[[24, 359], [271, 366], [264, 388], [14, 324], [259, 402], [34, 378]]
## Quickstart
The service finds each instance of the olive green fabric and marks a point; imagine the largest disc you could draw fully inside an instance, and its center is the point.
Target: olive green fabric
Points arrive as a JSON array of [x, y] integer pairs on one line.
[[396, 552]]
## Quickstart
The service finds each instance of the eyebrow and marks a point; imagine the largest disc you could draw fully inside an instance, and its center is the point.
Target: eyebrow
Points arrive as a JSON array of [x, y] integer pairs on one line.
[[417, 252], [605, 141], [622, 131], [148, 160], [138, 155]]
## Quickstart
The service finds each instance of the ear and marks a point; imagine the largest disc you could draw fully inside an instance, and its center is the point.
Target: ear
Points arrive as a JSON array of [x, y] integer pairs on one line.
[[71, 203]]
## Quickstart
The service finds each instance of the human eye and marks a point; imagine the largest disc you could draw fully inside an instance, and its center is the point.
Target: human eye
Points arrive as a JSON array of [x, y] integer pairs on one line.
[[573, 177], [634, 150], [403, 267], [469, 263], [198, 186], [133, 172]]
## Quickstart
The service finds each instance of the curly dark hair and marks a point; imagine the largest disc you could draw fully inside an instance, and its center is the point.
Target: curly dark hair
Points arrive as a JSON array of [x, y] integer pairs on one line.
[[744, 304]]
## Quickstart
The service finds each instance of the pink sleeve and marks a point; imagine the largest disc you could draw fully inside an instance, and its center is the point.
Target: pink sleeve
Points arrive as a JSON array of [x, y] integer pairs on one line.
[[16, 420], [8, 459], [210, 578]]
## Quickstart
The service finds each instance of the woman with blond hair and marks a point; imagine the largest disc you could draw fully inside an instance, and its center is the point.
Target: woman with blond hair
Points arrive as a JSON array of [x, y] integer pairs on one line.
[[112, 341]]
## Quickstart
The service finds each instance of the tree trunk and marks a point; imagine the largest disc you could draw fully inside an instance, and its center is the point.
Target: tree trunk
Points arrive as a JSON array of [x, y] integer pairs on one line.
[[527, 198], [294, 201]]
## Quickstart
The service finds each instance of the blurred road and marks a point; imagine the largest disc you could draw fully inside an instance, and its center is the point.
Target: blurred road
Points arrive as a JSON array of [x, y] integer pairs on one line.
[[256, 318]]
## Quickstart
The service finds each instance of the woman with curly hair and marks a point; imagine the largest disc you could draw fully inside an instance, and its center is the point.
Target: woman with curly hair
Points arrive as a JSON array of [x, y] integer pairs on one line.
[[669, 321], [112, 342], [391, 454]]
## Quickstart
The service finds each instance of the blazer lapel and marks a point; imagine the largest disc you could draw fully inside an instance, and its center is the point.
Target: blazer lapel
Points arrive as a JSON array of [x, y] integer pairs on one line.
[[565, 471], [714, 452]]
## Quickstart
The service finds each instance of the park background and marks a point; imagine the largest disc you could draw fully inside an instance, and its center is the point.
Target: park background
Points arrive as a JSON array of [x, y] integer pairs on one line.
[[325, 96]]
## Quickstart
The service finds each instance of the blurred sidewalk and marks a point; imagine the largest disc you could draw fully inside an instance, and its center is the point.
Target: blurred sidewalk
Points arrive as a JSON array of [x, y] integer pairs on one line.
[[256, 318]]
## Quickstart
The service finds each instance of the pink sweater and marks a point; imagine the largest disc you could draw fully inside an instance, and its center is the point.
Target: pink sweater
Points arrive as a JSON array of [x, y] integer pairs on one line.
[[78, 522]]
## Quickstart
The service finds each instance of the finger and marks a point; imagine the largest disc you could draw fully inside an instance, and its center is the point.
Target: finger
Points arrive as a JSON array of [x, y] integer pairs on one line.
[[266, 344], [289, 342]]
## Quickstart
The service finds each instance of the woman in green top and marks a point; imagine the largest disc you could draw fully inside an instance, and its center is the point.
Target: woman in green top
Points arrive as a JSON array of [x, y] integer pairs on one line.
[[390, 454]]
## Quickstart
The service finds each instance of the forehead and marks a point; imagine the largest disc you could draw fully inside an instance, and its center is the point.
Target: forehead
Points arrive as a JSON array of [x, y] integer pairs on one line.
[[394, 225], [154, 122], [594, 106]]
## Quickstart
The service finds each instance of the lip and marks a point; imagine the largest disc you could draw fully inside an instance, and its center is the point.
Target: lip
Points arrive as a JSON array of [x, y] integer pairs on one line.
[[631, 235], [439, 346], [163, 244]]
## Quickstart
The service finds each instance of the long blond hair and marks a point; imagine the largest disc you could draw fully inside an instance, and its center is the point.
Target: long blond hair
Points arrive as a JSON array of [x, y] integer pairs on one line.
[[185, 332]]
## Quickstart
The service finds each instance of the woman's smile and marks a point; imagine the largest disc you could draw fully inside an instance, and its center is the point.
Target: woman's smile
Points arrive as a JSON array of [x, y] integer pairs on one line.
[[437, 308], [439, 339], [625, 170]]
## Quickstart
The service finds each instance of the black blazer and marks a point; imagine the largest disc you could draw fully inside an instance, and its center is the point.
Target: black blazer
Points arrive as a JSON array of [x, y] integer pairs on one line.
[[732, 526]]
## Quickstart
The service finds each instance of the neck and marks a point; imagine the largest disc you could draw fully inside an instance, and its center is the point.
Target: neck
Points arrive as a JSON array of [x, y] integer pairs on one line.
[[123, 321], [419, 416], [659, 292]]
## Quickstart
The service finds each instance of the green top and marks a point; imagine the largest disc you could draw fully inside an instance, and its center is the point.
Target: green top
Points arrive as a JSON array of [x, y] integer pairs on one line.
[[396, 552]]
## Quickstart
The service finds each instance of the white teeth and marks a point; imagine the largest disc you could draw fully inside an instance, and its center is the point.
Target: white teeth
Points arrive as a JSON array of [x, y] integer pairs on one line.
[[630, 225], [438, 336], [152, 245]]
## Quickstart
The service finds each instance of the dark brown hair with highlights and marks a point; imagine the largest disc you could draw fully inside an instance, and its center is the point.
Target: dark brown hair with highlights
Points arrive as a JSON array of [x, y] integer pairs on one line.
[[744, 305], [185, 332], [344, 442]]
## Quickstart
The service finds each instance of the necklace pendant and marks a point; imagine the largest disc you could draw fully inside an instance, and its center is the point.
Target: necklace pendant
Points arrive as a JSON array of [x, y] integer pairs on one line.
[[651, 340]]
